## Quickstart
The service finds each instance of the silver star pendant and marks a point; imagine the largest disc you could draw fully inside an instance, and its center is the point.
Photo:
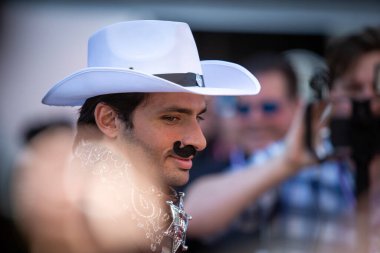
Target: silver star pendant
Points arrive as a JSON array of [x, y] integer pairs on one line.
[[178, 227]]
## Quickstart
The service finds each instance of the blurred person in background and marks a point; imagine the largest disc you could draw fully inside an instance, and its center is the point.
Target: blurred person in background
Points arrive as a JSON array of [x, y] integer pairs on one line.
[[45, 216], [260, 125], [354, 62], [287, 209], [137, 133]]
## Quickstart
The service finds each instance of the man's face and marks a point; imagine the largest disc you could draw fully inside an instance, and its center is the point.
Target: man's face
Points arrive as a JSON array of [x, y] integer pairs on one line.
[[358, 81], [266, 117], [160, 121]]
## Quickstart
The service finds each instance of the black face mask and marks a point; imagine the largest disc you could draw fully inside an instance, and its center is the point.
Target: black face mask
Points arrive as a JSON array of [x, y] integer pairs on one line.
[[184, 152]]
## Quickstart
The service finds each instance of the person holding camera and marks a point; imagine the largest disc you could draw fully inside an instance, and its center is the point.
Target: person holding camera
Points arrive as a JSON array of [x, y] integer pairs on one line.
[[354, 83]]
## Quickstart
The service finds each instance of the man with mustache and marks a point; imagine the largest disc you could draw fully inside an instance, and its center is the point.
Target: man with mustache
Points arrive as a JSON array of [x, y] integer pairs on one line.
[[141, 99]]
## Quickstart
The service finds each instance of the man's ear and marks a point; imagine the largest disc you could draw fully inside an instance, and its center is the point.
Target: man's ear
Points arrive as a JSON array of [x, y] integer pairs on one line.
[[106, 119]]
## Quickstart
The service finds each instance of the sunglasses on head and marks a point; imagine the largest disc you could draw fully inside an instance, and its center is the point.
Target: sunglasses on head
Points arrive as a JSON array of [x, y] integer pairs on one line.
[[267, 108]]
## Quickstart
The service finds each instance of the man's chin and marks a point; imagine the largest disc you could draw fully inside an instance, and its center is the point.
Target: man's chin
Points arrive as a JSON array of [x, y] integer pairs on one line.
[[179, 180]]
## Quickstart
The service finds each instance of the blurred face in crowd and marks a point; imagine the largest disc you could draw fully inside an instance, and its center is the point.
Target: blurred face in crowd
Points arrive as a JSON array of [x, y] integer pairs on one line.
[[159, 122], [358, 81], [266, 117]]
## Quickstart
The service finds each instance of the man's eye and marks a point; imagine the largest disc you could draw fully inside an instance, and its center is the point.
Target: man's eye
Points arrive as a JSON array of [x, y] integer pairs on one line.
[[200, 118], [170, 118]]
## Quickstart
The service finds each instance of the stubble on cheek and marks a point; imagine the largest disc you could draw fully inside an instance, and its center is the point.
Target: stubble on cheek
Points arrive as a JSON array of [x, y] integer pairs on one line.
[[153, 157], [146, 157]]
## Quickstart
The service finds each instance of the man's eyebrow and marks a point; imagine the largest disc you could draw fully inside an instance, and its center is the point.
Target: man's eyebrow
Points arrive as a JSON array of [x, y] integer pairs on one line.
[[203, 110]]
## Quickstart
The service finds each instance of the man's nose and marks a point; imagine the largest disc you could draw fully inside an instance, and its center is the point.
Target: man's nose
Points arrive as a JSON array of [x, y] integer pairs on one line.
[[195, 137]]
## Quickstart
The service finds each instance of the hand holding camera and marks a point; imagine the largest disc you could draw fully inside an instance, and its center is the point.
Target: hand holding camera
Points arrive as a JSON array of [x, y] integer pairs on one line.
[[347, 128]]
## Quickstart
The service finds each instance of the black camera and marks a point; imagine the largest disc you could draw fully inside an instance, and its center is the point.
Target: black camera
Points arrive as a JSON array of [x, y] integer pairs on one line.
[[346, 128]]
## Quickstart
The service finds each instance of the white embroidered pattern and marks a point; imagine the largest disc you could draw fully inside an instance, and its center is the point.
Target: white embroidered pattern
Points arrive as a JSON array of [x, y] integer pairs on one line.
[[144, 205]]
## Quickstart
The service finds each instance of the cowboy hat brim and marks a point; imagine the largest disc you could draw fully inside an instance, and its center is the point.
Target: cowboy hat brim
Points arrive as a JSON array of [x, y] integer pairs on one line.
[[220, 78]]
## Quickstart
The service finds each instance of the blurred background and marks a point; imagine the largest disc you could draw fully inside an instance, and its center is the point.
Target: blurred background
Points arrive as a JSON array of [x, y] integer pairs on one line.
[[41, 42]]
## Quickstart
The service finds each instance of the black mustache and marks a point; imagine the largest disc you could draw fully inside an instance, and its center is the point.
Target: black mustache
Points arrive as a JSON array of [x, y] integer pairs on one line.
[[184, 152]]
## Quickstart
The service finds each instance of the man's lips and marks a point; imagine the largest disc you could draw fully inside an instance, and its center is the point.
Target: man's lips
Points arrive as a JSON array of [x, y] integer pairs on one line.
[[183, 163]]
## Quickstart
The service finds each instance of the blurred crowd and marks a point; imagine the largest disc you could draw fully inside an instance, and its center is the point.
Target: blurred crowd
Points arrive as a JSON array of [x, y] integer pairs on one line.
[[242, 201], [258, 186]]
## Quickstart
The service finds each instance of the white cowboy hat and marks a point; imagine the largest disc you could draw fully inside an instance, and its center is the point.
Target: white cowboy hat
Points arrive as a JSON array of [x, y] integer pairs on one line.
[[149, 56]]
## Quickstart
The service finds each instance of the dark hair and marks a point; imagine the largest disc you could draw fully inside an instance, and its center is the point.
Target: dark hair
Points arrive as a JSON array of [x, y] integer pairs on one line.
[[123, 103], [343, 52], [273, 61]]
